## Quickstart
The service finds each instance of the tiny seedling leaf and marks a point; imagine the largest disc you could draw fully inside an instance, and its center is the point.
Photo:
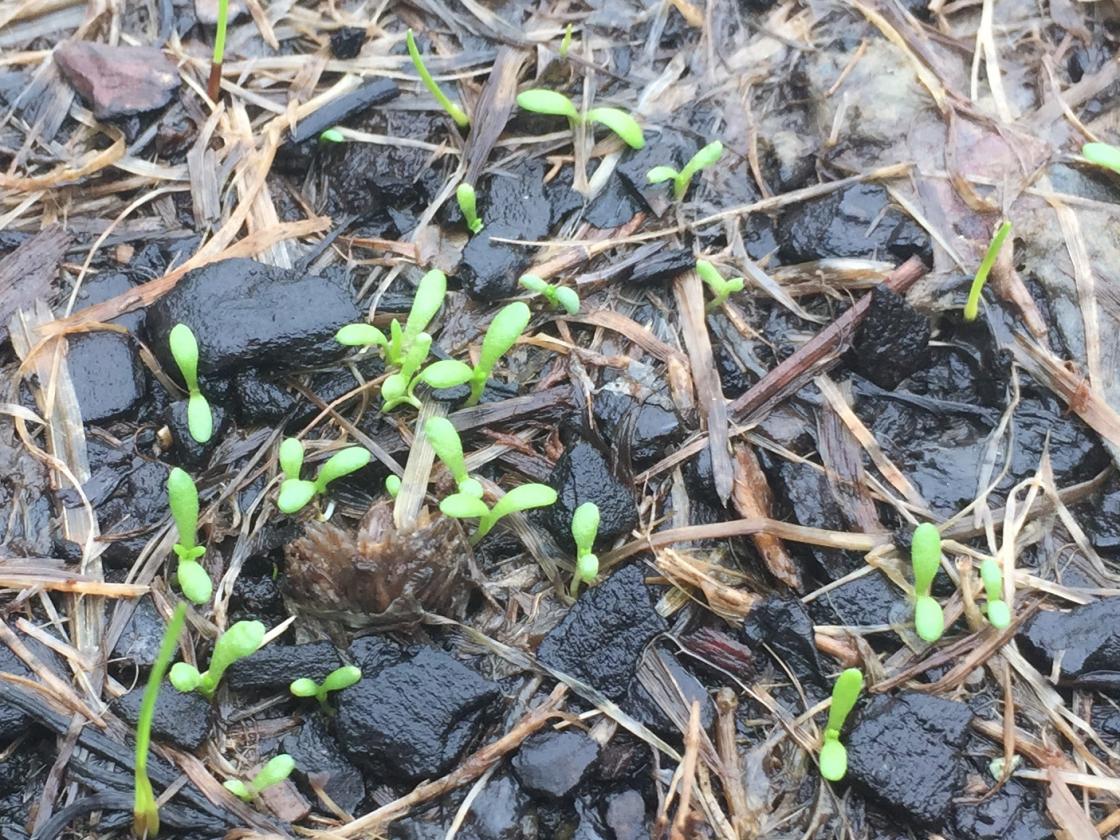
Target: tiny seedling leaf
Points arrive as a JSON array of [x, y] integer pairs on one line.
[[294, 494], [541, 101], [182, 498], [468, 205], [834, 760], [200, 422], [275, 771], [194, 581], [341, 678], [999, 614], [184, 349], [704, 158], [660, 174], [446, 373], [566, 41], [587, 568], [240, 640], [568, 300], [303, 687], [291, 457], [239, 789], [462, 506], [448, 447], [430, 292], [361, 335], [349, 460], [925, 554], [621, 123], [585, 527], [1102, 154], [929, 620], [992, 576], [332, 135], [845, 692], [393, 485], [501, 335], [523, 497], [184, 677], [532, 283]]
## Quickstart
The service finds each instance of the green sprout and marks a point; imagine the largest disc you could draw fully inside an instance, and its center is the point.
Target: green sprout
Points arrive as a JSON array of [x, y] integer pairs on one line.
[[295, 492], [525, 497], [972, 305], [834, 757], [393, 485], [182, 498], [560, 297], [708, 156], [336, 680], [445, 441], [332, 135], [239, 641], [430, 292], [214, 83], [145, 811], [184, 349], [722, 289], [501, 335], [273, 773], [925, 554], [1102, 154], [468, 204], [454, 111], [566, 41], [999, 613], [585, 528], [400, 387], [542, 101]]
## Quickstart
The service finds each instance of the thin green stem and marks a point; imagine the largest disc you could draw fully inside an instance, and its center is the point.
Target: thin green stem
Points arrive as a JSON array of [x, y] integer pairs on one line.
[[456, 113], [145, 812], [972, 305]]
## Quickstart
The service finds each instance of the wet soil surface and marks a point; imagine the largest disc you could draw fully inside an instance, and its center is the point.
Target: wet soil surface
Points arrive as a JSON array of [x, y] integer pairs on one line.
[[701, 658]]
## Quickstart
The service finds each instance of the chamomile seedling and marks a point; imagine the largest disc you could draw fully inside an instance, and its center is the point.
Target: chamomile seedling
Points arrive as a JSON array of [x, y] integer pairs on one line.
[[999, 613], [721, 289], [524, 497], [184, 349], [560, 297], [501, 335], [182, 498], [274, 772], [834, 756], [972, 305], [585, 528], [543, 101], [445, 442], [336, 680], [239, 641], [295, 492], [706, 157], [925, 555], [468, 206]]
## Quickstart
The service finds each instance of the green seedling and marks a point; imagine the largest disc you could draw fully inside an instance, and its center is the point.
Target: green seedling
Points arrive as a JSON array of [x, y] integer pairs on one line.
[[972, 305], [295, 492], [541, 101], [1102, 154], [560, 297], [145, 811], [445, 441], [525, 497], [400, 387], [214, 83], [332, 135], [501, 335], [336, 680], [454, 111], [393, 485], [585, 528], [834, 757], [999, 613], [708, 156], [566, 41], [239, 641], [720, 288], [182, 498], [184, 349], [273, 773], [430, 292], [925, 554], [468, 205]]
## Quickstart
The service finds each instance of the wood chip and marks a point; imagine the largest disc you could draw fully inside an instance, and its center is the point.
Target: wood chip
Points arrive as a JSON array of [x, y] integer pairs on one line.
[[752, 498]]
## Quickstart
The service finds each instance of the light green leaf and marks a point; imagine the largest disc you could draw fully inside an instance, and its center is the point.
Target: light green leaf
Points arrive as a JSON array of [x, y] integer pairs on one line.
[[541, 101], [568, 300], [925, 555], [532, 283], [291, 457], [446, 373], [992, 576], [393, 485], [332, 135], [1102, 154], [361, 335], [194, 581], [182, 498], [587, 568], [184, 677], [454, 111], [462, 506], [240, 640], [929, 620], [972, 305], [238, 789], [834, 760], [349, 460], [471, 487], [184, 349], [621, 123], [430, 292], [523, 497], [277, 770], [999, 614], [200, 422], [294, 494], [448, 447], [704, 158], [304, 687], [341, 678], [468, 205], [844, 695], [585, 527], [710, 275], [501, 335], [661, 173]]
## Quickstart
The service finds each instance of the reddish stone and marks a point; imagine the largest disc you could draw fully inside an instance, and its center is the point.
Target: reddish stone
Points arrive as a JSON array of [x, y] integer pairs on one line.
[[118, 81]]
